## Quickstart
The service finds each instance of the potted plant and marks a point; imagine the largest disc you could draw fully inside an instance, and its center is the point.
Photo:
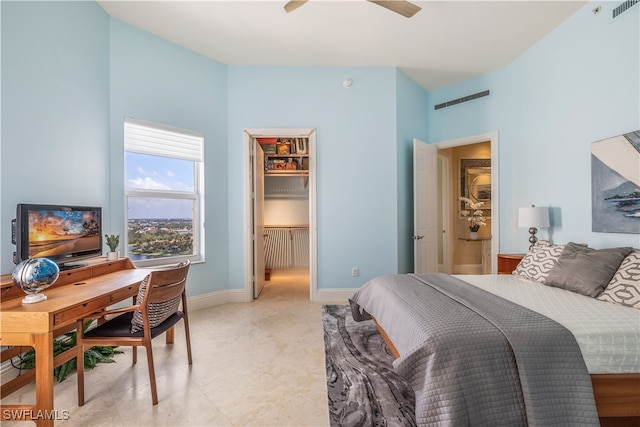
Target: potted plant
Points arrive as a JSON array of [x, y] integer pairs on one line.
[[112, 241], [474, 216]]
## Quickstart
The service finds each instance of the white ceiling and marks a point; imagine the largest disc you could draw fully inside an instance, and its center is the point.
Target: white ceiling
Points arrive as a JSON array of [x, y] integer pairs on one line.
[[446, 42]]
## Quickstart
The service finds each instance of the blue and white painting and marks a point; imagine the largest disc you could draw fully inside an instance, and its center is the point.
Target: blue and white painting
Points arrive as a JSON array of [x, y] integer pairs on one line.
[[615, 184]]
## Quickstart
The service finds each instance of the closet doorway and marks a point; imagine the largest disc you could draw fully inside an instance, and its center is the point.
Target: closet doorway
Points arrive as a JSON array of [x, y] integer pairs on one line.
[[280, 206]]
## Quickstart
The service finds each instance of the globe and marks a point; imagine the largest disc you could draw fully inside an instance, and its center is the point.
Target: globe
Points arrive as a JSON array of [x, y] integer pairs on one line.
[[33, 275]]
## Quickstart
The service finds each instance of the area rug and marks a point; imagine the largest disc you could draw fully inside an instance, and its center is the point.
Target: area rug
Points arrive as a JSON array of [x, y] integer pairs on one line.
[[363, 389]]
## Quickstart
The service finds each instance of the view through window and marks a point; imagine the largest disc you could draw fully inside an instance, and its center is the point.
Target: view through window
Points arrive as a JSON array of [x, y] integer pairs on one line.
[[164, 193]]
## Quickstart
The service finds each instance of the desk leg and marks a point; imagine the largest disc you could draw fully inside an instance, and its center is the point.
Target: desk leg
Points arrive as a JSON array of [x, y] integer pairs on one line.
[[44, 413]]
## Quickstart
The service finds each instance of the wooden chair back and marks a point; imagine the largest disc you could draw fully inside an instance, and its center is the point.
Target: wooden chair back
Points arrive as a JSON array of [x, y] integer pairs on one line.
[[165, 285]]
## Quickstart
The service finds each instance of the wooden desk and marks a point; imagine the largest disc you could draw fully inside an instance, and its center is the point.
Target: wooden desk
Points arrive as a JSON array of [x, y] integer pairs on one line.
[[77, 293]]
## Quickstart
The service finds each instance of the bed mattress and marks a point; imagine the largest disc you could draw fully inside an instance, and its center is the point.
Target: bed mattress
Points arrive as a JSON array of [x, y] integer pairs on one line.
[[608, 334]]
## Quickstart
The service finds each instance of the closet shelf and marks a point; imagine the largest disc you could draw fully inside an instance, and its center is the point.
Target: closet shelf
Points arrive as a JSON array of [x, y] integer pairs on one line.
[[287, 173]]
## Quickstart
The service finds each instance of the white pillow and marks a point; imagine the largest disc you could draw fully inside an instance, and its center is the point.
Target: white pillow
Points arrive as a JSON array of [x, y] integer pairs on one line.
[[539, 261], [624, 287]]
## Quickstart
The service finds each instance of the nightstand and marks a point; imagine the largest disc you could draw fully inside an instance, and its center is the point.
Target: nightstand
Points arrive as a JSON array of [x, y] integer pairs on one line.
[[508, 262]]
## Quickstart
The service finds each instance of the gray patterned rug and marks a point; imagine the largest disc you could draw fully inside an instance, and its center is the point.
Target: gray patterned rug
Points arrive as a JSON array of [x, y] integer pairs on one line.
[[363, 389]]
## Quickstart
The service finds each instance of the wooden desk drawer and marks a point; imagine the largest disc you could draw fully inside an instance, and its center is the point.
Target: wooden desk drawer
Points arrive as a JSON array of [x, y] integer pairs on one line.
[[81, 310], [73, 276], [108, 267], [124, 293]]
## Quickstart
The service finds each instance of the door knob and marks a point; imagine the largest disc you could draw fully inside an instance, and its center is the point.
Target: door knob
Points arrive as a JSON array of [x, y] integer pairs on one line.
[[417, 237]]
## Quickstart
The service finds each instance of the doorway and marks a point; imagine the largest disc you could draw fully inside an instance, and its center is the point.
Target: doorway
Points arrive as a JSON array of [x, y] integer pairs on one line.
[[466, 251], [280, 206], [439, 216]]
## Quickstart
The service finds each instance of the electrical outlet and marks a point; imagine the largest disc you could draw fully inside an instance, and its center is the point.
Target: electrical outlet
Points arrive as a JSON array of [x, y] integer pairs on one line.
[[354, 271]]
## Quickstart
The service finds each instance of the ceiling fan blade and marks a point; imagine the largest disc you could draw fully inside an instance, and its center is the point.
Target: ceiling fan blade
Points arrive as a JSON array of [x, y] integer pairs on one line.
[[403, 7], [293, 5]]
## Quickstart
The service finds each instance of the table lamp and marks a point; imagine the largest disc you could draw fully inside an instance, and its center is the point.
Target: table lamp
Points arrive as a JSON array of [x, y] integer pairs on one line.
[[533, 218]]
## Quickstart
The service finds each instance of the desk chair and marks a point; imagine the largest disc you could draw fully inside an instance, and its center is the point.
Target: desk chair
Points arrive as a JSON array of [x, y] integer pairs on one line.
[[156, 310]]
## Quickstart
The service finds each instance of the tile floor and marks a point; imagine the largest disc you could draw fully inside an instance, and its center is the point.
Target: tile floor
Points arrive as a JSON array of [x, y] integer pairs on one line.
[[254, 364]]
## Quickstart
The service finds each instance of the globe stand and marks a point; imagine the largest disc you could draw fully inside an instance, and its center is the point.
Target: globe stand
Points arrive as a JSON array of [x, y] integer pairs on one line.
[[34, 275], [33, 298]]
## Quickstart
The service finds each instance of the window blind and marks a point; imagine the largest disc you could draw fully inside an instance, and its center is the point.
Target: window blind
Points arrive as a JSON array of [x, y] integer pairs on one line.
[[159, 140]]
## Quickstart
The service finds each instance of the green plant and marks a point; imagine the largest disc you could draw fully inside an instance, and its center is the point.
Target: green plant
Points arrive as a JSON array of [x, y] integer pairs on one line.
[[92, 356], [112, 241]]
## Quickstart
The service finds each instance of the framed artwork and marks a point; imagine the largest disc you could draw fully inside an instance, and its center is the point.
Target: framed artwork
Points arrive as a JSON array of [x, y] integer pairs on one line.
[[615, 184], [475, 183]]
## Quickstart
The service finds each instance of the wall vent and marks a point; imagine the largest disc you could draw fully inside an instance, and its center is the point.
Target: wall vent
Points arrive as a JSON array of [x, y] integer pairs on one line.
[[623, 7], [463, 99]]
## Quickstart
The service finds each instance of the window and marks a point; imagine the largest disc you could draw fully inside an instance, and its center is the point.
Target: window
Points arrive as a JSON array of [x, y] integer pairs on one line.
[[164, 192]]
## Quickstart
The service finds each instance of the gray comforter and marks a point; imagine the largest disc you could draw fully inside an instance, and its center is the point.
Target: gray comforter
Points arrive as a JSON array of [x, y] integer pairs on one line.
[[474, 358]]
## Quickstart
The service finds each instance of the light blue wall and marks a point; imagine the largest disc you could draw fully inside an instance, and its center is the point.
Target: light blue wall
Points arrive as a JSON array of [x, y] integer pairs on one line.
[[356, 160], [412, 108], [154, 80], [578, 85], [55, 99], [70, 60], [70, 74]]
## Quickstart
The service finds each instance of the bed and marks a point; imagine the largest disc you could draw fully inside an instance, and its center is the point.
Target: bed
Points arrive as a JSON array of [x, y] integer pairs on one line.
[[555, 343]]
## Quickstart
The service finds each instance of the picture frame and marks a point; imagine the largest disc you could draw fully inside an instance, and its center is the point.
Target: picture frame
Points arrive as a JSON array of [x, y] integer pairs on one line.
[[615, 184], [475, 183]]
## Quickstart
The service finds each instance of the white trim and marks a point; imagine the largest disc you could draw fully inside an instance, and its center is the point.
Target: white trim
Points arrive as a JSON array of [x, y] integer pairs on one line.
[[248, 136], [338, 296], [7, 371], [200, 302], [467, 269], [495, 190], [446, 212]]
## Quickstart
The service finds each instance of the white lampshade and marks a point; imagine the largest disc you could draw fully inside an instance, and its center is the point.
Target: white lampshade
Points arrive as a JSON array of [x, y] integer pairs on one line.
[[533, 217]]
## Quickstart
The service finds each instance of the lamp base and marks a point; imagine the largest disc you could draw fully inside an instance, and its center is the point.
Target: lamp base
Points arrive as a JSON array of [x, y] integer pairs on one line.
[[33, 298], [533, 239]]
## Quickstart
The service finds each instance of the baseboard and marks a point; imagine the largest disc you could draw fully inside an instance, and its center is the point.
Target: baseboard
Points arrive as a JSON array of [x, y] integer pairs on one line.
[[213, 299], [337, 296], [7, 371], [467, 269]]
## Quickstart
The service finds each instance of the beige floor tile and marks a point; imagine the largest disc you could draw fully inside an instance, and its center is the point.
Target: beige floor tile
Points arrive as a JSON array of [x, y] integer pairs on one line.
[[254, 364]]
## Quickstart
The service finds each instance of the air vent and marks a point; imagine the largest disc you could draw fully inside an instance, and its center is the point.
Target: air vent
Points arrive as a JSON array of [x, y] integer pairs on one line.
[[461, 100], [623, 7]]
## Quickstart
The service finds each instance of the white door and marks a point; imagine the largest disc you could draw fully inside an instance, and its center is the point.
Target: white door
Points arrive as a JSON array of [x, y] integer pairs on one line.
[[258, 218], [425, 207]]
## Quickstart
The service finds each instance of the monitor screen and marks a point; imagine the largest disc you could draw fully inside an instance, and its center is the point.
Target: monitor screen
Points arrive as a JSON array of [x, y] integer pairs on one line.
[[60, 233]]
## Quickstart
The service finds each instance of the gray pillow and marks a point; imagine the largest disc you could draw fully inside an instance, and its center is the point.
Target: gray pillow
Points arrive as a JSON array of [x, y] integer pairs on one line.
[[585, 270]]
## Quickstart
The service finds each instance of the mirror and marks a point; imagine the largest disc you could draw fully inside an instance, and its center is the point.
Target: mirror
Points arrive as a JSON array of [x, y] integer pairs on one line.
[[475, 183]]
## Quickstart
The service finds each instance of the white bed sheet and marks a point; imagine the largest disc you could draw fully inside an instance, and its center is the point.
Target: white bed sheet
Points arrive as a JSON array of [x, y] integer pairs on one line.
[[608, 334]]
